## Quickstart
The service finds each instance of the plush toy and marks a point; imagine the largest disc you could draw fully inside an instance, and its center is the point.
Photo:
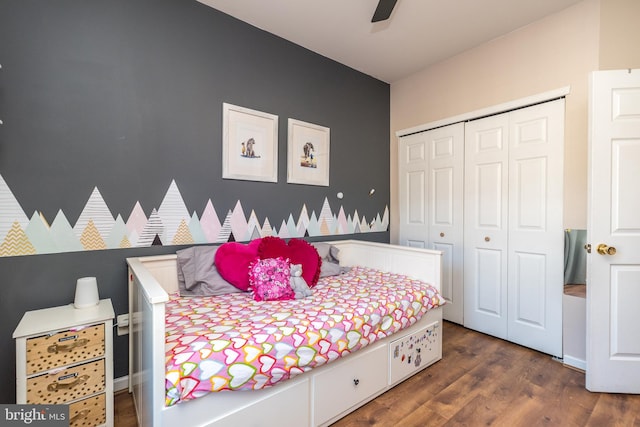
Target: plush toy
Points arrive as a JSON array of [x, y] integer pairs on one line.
[[298, 284]]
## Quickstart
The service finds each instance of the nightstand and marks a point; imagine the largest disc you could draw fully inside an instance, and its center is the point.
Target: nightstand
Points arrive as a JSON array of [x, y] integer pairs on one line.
[[65, 355]]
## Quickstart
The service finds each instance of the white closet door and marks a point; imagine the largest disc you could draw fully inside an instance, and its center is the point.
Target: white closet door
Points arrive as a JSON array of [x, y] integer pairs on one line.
[[445, 201], [536, 239], [485, 225], [412, 183], [431, 171]]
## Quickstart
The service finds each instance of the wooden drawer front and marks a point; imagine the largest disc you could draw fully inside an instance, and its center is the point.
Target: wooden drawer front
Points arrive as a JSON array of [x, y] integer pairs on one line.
[[354, 380], [88, 412], [64, 348], [67, 384], [414, 352]]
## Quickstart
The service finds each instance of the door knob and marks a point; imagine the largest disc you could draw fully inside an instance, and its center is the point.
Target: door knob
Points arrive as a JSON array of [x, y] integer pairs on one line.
[[606, 250]]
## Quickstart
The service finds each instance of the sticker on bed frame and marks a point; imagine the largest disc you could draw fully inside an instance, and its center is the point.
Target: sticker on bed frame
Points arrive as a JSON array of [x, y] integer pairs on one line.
[[170, 224]]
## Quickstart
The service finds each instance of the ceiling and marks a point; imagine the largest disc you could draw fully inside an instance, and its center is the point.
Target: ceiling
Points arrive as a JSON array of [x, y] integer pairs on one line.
[[418, 34]]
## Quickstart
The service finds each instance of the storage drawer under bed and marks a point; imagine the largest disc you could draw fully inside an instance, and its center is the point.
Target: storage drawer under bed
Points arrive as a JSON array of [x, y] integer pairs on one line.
[[356, 379], [412, 352]]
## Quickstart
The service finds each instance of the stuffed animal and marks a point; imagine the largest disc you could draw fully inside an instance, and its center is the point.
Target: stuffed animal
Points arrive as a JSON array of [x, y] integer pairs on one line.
[[298, 284]]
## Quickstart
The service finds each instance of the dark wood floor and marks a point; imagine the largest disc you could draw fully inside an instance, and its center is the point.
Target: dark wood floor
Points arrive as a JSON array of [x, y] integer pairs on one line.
[[480, 381]]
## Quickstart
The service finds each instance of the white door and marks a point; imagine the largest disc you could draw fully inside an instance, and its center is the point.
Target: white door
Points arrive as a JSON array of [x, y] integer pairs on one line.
[[613, 274], [536, 235], [445, 201], [485, 224], [513, 234], [412, 190], [431, 170]]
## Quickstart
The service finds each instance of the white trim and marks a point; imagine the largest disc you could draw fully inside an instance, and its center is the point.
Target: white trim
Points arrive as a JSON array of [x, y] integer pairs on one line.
[[121, 383], [574, 362], [495, 109]]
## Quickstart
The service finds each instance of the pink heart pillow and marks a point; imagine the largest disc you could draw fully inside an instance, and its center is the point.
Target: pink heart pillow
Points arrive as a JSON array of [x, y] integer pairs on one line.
[[298, 251], [232, 261]]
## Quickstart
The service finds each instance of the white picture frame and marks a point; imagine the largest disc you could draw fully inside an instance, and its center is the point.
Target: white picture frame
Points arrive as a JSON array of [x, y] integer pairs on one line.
[[308, 153], [249, 144]]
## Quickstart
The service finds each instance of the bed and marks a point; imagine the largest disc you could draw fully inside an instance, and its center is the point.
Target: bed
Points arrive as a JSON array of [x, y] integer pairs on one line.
[[318, 396]]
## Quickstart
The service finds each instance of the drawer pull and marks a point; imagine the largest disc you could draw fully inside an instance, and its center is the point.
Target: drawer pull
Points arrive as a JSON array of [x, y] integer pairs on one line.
[[55, 386], [80, 415], [356, 382], [55, 348]]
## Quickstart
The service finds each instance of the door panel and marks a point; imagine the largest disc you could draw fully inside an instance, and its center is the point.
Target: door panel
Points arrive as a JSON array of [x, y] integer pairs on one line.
[[536, 234], [625, 294], [624, 186], [415, 194], [613, 278], [529, 289], [488, 194], [442, 200], [531, 204], [446, 166], [412, 182], [489, 283], [485, 217], [431, 172], [514, 241]]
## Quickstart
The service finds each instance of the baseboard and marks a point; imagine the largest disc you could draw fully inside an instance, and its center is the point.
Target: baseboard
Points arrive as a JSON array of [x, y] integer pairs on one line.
[[121, 383], [575, 363]]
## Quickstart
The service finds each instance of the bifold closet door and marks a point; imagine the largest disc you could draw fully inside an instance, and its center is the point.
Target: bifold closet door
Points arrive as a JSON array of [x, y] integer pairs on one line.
[[431, 198], [536, 234], [485, 225], [513, 238], [445, 201]]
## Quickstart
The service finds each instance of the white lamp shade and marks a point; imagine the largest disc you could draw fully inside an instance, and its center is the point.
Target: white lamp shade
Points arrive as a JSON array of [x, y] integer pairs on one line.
[[86, 293]]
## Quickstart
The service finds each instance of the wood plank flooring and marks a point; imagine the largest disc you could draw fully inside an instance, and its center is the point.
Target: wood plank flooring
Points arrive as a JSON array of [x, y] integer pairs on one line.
[[481, 381]]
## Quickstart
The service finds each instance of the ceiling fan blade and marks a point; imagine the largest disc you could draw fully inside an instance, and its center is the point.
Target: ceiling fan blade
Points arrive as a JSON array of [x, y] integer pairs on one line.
[[383, 11]]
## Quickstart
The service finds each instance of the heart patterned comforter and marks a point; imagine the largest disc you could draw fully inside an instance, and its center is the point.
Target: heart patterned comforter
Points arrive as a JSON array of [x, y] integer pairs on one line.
[[232, 342]]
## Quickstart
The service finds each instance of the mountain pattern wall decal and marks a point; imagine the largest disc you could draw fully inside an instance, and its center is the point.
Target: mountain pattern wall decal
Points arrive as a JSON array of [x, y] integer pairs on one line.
[[170, 224]]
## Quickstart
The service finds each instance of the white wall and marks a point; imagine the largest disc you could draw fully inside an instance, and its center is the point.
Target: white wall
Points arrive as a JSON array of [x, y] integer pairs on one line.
[[619, 34]]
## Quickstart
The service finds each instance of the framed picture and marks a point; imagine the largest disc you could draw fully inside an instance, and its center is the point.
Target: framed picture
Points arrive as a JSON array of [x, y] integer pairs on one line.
[[249, 144], [307, 154]]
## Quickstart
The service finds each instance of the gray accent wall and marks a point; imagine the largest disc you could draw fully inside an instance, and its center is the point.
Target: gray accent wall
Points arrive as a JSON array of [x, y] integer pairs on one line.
[[126, 96]]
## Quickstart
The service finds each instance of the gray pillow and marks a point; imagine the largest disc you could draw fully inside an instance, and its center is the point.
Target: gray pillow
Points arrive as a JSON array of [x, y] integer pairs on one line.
[[197, 274], [330, 259]]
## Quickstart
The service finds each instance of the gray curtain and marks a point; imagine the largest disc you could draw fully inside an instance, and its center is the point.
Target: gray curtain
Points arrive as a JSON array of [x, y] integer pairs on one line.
[[575, 257]]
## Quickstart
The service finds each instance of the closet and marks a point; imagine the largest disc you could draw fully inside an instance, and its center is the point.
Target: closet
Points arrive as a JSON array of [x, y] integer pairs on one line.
[[494, 207]]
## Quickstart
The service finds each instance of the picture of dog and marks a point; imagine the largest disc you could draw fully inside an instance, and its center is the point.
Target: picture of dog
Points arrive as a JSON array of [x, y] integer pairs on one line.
[[247, 148]]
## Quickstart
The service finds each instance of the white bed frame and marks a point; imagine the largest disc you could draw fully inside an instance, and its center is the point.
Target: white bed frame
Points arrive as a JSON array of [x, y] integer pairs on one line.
[[318, 397]]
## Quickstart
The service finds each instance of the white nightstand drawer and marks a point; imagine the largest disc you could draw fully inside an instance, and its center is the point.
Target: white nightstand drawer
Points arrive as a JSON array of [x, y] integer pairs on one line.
[[71, 346], [354, 380], [67, 384]]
